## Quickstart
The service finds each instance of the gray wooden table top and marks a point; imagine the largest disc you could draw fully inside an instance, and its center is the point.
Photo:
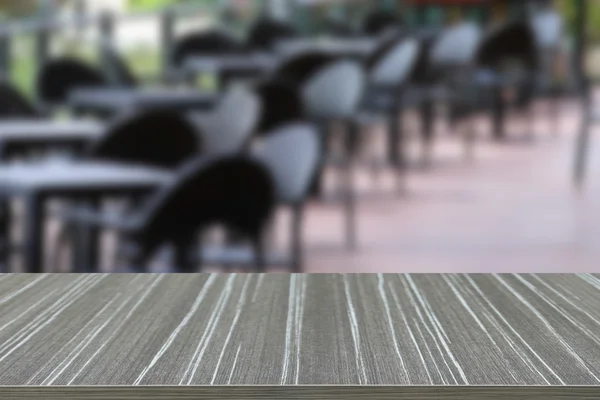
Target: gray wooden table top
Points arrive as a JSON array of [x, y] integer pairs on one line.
[[417, 332]]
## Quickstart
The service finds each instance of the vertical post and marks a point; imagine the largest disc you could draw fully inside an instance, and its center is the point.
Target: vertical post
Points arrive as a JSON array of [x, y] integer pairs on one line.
[[303, 17], [46, 18], [107, 33], [5, 57], [580, 42], [387, 5], [42, 44], [278, 9], [583, 139], [167, 28]]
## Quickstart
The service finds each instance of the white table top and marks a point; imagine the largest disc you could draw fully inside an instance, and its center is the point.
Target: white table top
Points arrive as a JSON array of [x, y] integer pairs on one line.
[[34, 129], [338, 46], [261, 61], [123, 98], [72, 175]]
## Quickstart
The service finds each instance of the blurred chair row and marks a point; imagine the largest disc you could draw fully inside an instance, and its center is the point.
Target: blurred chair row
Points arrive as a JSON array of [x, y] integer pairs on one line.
[[186, 161]]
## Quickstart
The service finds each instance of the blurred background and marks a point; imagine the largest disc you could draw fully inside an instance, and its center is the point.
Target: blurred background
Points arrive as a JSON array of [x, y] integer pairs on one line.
[[502, 189], [139, 35]]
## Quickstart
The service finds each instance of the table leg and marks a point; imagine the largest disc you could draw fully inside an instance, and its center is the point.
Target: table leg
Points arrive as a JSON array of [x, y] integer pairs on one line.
[[392, 132], [184, 248], [5, 237], [33, 240], [427, 115], [90, 253], [316, 188], [349, 190], [396, 146], [582, 146], [499, 115]]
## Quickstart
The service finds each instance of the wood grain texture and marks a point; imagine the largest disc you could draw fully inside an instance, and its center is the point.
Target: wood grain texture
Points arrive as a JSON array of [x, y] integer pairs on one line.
[[455, 336]]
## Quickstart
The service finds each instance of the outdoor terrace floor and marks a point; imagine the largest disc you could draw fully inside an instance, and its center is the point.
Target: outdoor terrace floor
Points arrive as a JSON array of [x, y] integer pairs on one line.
[[513, 209]]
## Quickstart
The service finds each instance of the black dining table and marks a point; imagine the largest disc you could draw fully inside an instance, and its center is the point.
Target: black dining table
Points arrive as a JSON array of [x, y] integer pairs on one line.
[[37, 183]]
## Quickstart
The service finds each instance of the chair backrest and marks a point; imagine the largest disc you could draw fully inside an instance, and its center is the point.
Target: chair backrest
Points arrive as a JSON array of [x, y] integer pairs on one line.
[[393, 63], [208, 43], [511, 41], [380, 21], [291, 153], [328, 86], [423, 73], [300, 67], [118, 71], [336, 90], [158, 138], [281, 105], [60, 76], [266, 32], [236, 192], [547, 27], [227, 128], [457, 45], [340, 28], [13, 104]]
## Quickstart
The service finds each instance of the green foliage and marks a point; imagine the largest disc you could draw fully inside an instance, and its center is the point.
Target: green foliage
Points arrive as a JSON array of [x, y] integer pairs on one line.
[[567, 9], [13, 8], [143, 5]]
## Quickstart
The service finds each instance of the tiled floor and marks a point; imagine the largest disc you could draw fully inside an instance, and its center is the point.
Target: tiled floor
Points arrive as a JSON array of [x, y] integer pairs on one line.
[[513, 209]]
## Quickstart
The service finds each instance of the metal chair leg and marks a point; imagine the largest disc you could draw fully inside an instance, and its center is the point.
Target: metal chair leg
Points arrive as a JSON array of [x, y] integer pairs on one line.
[[350, 194], [427, 115], [396, 148], [582, 147], [555, 114], [350, 211], [316, 188], [499, 116], [80, 248], [259, 254], [136, 260], [5, 236], [183, 259], [470, 136], [296, 238]]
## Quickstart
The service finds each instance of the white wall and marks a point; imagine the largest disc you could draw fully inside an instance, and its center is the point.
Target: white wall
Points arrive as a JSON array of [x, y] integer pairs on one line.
[[105, 5], [130, 33]]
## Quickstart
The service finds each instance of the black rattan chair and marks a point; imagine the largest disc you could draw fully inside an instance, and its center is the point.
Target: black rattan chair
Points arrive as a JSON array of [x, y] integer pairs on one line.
[[380, 21], [14, 105], [212, 42], [61, 76], [331, 89], [158, 138], [266, 32], [236, 193]]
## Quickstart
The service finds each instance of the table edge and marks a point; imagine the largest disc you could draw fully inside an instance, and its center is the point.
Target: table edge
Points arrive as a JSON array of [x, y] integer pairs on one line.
[[325, 392]]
